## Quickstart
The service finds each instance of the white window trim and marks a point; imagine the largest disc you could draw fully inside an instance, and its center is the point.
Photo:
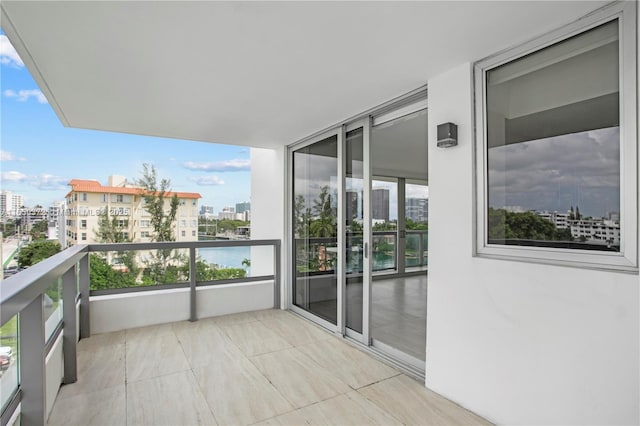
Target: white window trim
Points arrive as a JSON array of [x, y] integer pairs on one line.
[[627, 259]]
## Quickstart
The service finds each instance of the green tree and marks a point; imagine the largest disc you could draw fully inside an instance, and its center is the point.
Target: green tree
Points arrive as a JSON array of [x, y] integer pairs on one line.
[[154, 194], [109, 229], [39, 230], [301, 218], [324, 223], [385, 226], [37, 251], [416, 226], [103, 276], [504, 225], [163, 266]]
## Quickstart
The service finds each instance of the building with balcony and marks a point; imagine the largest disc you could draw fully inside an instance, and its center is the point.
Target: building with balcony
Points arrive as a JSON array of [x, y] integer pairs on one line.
[[525, 104], [10, 204], [418, 209], [88, 199], [599, 231], [560, 220]]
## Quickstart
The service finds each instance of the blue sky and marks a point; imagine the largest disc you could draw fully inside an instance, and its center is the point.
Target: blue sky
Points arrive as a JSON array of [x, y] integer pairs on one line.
[[39, 155]]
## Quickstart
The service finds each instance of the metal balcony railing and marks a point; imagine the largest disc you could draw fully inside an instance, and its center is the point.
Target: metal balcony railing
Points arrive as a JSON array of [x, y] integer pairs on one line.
[[28, 301], [386, 252]]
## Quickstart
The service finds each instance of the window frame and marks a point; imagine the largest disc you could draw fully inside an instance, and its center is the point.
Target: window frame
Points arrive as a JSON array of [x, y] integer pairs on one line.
[[627, 259]]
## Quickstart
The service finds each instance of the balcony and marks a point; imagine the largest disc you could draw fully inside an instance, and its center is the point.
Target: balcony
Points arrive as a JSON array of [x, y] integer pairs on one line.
[[266, 367], [196, 352]]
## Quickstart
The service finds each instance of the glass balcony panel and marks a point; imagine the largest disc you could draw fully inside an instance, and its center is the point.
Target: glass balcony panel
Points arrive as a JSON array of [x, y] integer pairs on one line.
[[384, 251], [9, 349], [52, 308], [139, 268], [412, 252], [221, 263]]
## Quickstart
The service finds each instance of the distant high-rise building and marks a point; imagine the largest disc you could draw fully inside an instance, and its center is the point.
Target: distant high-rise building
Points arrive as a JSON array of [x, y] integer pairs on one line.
[[206, 211], [417, 209], [243, 207], [380, 204], [227, 213], [10, 203]]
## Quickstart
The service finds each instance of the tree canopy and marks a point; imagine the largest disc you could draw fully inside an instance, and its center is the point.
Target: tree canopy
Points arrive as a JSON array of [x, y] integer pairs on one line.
[[154, 194], [504, 225], [37, 251]]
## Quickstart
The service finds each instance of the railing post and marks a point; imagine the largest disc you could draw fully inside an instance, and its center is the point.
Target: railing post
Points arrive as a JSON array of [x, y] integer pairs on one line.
[[276, 275], [32, 362], [85, 316], [69, 340], [192, 281], [420, 250]]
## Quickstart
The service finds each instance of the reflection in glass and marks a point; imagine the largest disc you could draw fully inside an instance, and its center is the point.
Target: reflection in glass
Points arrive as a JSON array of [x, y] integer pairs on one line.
[[398, 301], [315, 186], [52, 303], [354, 228], [417, 224], [554, 145]]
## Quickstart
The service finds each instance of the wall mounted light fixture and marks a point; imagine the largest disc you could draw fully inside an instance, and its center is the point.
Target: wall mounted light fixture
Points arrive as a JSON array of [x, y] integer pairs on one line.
[[447, 135]]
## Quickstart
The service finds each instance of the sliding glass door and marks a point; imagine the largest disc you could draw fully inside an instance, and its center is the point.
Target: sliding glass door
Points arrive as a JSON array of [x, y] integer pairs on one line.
[[315, 228], [399, 292], [359, 209]]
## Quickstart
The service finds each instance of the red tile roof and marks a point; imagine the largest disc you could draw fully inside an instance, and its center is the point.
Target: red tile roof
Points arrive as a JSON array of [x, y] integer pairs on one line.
[[82, 185]]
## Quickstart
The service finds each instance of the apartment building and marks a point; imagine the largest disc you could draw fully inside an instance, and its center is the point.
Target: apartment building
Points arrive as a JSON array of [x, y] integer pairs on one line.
[[596, 230], [10, 203], [560, 220], [88, 198]]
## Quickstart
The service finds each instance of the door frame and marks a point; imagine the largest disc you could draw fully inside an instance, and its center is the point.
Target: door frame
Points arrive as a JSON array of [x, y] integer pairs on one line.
[[365, 336], [404, 105], [336, 131]]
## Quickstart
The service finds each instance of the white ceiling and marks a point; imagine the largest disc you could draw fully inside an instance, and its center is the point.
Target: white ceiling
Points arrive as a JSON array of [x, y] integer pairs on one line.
[[253, 73]]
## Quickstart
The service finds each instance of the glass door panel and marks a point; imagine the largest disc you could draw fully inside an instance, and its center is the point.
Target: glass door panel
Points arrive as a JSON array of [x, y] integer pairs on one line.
[[315, 251], [416, 207], [384, 217], [354, 227], [399, 287]]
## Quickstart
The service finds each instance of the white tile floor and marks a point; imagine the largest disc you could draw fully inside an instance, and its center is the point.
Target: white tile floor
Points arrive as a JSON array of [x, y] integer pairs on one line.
[[267, 367]]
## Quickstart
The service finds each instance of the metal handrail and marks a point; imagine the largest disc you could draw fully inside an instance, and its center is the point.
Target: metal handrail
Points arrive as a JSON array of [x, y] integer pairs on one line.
[[20, 289]]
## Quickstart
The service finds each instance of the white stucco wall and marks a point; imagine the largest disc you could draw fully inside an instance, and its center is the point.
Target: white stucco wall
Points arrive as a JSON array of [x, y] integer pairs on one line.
[[268, 171], [518, 343]]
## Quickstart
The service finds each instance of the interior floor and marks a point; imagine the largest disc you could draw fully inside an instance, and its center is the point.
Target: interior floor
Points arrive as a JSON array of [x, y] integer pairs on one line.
[[398, 312]]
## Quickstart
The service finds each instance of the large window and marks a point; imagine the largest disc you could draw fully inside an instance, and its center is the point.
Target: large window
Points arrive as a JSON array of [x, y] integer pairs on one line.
[[558, 156]]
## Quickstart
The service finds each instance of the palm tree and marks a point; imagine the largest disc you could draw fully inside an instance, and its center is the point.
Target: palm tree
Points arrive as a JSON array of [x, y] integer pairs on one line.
[[325, 223]]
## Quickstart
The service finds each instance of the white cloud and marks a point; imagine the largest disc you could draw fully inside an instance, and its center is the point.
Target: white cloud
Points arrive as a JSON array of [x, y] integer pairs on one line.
[[8, 156], [235, 165], [14, 176], [24, 95], [207, 181], [47, 182], [43, 181], [8, 55]]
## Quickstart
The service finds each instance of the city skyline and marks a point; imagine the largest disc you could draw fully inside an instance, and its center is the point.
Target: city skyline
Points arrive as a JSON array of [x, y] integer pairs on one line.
[[39, 156]]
